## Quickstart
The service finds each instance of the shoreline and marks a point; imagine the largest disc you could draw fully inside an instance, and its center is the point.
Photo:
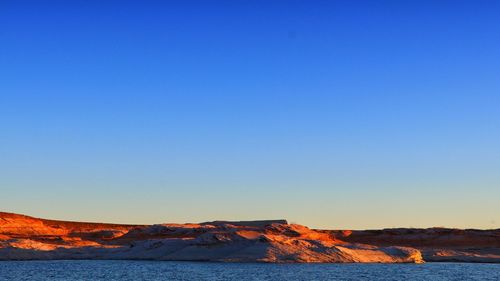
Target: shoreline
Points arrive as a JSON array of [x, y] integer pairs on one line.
[[265, 241]]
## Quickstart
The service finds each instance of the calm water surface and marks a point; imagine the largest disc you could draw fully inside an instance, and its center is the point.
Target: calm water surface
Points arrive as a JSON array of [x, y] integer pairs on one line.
[[157, 270]]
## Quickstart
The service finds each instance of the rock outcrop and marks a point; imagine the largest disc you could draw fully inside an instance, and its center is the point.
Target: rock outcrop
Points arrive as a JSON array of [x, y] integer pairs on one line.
[[24, 238], [436, 244]]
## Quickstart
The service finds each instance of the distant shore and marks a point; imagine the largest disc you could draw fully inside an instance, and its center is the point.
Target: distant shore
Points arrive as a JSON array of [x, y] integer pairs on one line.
[[29, 238]]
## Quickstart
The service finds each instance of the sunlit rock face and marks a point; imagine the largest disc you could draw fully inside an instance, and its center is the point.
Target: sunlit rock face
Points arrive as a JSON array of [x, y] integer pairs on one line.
[[23, 237], [435, 244]]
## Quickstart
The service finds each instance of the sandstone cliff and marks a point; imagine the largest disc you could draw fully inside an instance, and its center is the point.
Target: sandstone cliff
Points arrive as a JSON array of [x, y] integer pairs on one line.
[[435, 244], [24, 237]]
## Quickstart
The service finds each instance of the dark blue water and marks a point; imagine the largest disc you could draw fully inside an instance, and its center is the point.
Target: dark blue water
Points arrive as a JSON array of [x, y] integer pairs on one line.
[[157, 270]]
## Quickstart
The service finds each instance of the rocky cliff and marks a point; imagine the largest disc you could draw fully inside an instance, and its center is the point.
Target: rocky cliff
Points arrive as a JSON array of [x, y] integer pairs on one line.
[[23, 237], [435, 244]]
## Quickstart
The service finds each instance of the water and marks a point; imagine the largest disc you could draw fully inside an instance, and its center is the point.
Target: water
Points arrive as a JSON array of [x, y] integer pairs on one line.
[[157, 270]]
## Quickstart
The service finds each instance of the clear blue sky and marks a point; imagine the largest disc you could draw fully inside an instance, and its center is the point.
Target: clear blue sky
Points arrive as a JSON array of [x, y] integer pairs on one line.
[[333, 114]]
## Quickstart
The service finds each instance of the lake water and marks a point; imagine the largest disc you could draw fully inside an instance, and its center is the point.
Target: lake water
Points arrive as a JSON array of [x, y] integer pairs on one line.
[[158, 270]]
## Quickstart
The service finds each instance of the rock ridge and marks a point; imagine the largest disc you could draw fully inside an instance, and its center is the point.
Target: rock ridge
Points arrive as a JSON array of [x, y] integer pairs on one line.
[[26, 238]]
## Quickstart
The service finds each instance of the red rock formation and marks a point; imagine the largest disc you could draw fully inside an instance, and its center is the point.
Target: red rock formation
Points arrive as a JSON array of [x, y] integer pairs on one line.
[[436, 244], [23, 237]]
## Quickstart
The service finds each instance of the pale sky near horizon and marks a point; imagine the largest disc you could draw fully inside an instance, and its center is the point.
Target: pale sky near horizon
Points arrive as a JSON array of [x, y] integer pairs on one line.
[[332, 114]]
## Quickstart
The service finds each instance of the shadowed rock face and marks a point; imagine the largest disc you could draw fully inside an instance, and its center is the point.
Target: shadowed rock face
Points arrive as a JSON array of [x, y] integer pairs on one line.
[[23, 237]]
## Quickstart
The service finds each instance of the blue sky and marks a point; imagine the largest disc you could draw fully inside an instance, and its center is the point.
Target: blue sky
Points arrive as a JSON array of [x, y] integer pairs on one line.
[[333, 114]]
